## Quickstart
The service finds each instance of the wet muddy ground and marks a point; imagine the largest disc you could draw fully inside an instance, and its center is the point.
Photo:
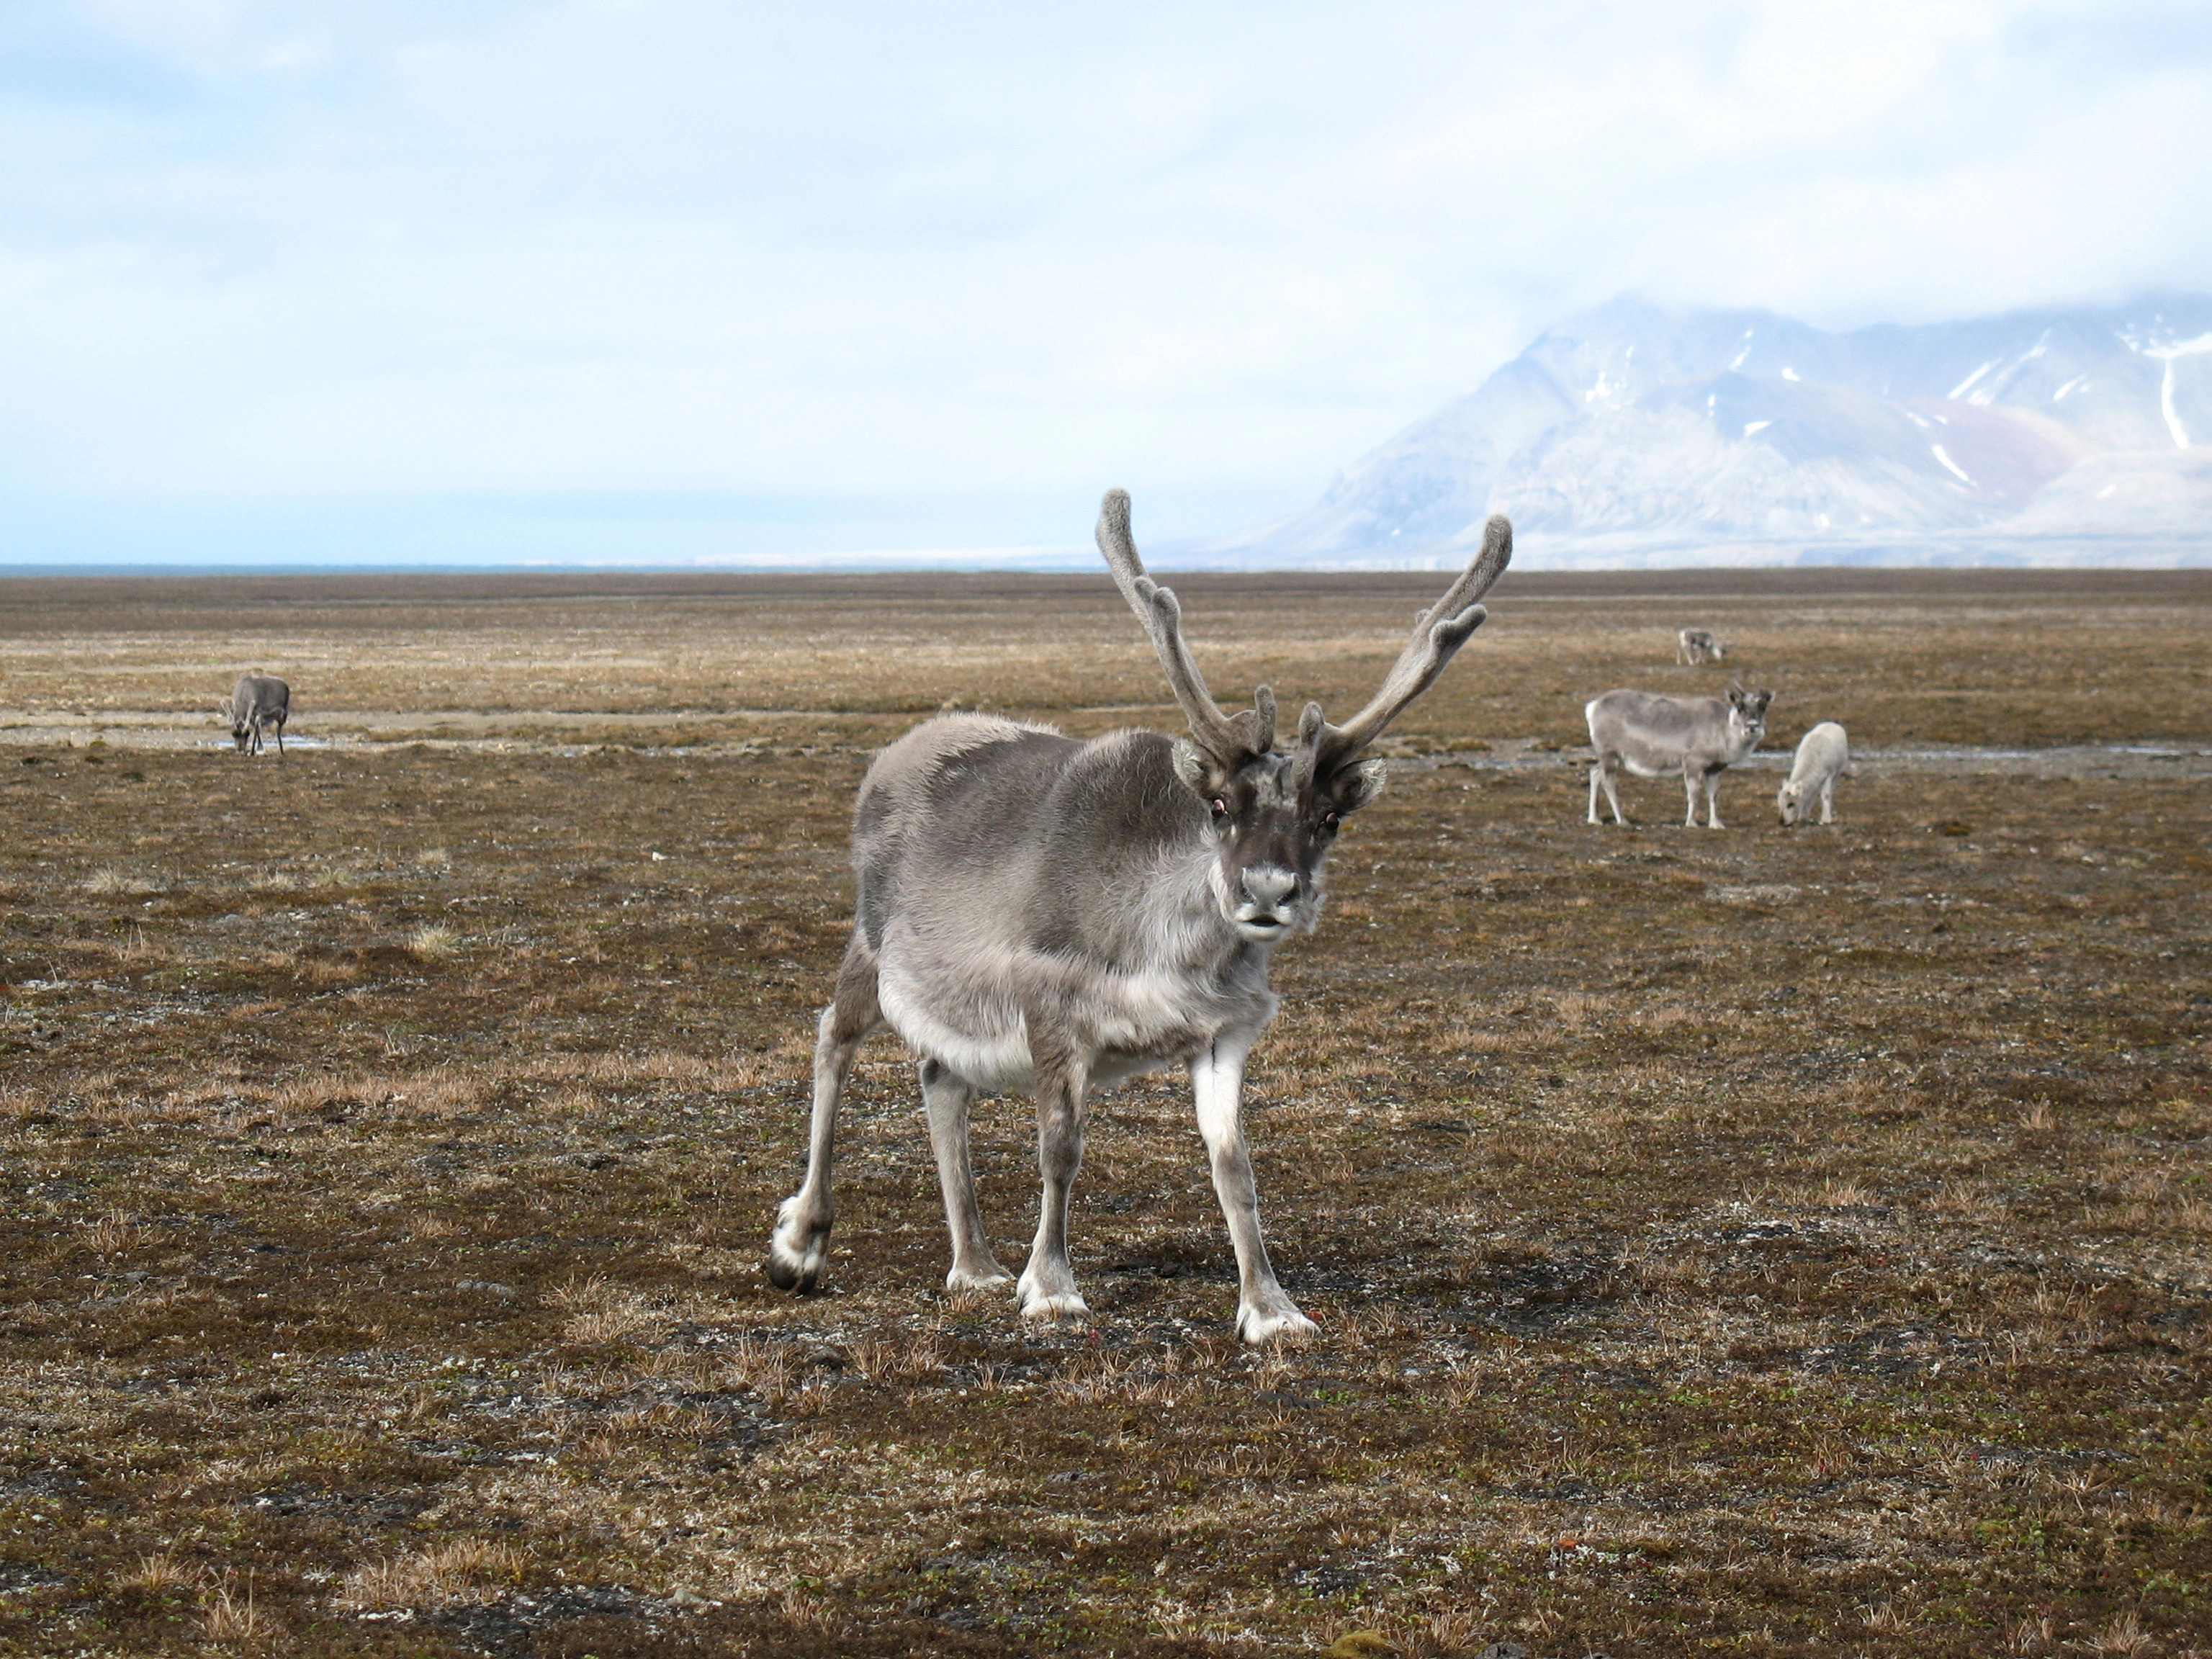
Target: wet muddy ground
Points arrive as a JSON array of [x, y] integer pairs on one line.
[[1762, 1240]]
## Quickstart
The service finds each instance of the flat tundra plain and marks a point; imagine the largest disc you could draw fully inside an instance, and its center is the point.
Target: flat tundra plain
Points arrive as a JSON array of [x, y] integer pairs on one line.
[[1757, 1241]]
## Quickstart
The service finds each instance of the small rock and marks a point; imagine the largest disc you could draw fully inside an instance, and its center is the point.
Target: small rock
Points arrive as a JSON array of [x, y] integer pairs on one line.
[[489, 1286], [1361, 1644], [825, 1358]]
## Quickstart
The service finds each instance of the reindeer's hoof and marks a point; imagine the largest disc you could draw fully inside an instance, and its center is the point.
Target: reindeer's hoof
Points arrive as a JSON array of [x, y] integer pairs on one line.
[[1259, 1326], [797, 1255], [1051, 1297], [990, 1277], [1070, 1306]]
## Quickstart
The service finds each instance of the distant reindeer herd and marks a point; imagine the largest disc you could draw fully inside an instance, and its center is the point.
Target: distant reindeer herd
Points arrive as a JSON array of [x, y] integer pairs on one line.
[[1053, 915]]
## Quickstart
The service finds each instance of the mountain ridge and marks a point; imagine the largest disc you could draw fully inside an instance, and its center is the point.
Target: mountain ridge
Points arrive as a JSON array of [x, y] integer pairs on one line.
[[1631, 433]]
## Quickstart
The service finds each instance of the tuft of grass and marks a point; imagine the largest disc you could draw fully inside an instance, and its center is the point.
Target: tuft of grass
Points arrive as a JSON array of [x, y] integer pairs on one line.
[[448, 1574], [160, 1574], [114, 1234], [602, 1314], [109, 882], [434, 942], [232, 1616]]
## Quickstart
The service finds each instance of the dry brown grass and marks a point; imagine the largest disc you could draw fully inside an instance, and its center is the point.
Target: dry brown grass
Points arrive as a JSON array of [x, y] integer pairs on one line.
[[458, 1569], [434, 942], [1696, 1272]]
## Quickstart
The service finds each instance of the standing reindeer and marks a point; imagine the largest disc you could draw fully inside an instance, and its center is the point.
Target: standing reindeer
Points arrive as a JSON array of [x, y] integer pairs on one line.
[[261, 701], [1697, 645], [1041, 914], [1653, 735]]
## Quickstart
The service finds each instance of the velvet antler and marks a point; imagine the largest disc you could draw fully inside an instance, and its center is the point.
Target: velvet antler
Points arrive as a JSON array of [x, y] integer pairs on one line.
[[1438, 633], [1226, 739]]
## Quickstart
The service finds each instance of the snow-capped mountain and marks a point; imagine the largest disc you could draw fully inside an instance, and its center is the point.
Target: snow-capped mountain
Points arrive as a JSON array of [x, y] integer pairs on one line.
[[1632, 435]]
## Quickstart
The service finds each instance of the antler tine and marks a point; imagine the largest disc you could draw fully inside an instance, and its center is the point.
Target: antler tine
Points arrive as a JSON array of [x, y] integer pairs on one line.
[[1225, 737], [1438, 633]]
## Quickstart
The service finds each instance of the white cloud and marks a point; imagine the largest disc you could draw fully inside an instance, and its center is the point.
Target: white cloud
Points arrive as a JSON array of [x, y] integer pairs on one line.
[[274, 251]]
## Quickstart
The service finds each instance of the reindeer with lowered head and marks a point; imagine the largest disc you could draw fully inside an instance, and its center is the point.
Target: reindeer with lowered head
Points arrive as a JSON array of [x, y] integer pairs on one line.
[[1041, 913]]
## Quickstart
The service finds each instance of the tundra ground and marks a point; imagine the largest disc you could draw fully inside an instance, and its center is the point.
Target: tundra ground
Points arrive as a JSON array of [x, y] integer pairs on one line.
[[1757, 1241]]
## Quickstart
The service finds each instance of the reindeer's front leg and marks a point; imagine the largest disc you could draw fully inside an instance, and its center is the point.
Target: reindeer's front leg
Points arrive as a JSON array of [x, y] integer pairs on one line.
[[1264, 1312], [946, 1097], [1047, 1289], [799, 1250]]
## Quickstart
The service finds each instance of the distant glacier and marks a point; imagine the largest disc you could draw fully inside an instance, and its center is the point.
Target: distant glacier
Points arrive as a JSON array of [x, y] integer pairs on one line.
[[1634, 436]]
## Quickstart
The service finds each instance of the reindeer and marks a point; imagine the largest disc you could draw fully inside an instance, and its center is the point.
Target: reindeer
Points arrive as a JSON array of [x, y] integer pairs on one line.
[[1822, 754], [1653, 735], [1041, 913], [1697, 646], [260, 701]]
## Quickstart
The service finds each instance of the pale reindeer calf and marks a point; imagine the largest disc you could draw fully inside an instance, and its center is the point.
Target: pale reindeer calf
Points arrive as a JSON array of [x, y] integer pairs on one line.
[[1822, 754]]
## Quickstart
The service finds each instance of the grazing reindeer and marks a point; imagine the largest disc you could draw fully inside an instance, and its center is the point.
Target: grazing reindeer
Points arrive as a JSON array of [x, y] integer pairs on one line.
[[1037, 913], [1822, 753], [261, 700], [1653, 735], [1699, 645]]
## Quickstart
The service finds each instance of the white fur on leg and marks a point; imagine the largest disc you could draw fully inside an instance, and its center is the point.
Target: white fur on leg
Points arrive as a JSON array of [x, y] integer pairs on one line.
[[1277, 1322], [1048, 1292], [798, 1250], [970, 1278]]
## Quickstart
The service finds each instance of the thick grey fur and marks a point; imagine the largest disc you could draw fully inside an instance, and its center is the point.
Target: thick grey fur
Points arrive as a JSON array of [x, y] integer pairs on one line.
[[259, 702], [1822, 754], [1697, 645], [1041, 913], [1654, 735]]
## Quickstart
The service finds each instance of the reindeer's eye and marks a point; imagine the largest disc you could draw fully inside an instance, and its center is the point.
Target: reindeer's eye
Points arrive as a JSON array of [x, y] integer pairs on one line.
[[1220, 810], [1332, 822]]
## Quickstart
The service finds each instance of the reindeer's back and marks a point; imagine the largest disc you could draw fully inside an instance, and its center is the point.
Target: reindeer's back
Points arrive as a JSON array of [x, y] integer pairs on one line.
[[260, 694], [1652, 718], [952, 814]]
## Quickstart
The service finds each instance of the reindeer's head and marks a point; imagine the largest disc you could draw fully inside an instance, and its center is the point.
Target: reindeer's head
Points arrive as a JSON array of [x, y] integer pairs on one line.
[[1790, 801], [1747, 715], [1273, 814]]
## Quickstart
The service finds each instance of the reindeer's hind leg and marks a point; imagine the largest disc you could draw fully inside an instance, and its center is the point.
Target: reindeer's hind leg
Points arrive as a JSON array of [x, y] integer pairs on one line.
[[946, 1096], [1603, 775], [799, 1250]]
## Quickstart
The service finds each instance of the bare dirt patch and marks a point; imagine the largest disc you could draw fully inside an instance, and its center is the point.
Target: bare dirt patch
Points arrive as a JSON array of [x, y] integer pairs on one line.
[[1778, 1241]]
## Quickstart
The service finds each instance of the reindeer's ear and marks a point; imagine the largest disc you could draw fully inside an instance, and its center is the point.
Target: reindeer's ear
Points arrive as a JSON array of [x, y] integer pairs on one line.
[[1197, 773], [1356, 786]]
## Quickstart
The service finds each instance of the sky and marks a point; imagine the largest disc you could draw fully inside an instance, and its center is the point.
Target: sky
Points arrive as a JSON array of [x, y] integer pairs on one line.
[[652, 281]]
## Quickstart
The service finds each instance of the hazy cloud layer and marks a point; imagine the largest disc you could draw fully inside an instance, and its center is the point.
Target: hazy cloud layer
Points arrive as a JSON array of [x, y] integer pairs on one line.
[[257, 252]]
